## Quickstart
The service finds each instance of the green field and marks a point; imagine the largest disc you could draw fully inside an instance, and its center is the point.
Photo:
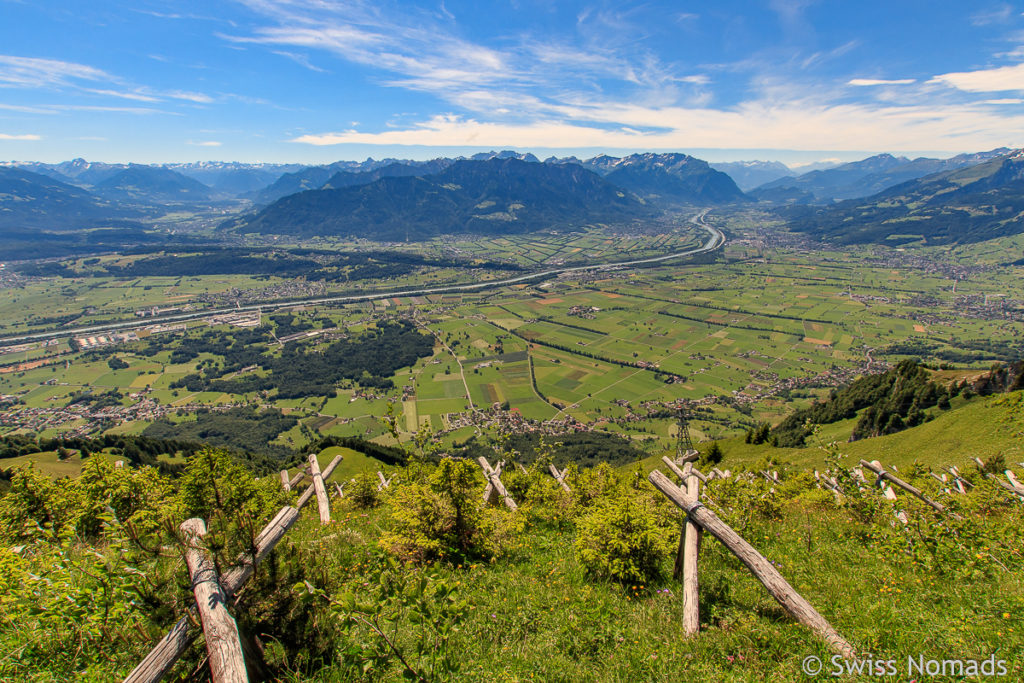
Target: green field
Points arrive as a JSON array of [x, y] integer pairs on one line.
[[748, 337]]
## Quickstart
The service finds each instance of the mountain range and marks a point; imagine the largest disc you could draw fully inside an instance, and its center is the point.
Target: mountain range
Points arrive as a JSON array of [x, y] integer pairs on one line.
[[667, 178], [861, 178], [496, 196], [750, 174], [33, 201], [967, 204], [881, 198]]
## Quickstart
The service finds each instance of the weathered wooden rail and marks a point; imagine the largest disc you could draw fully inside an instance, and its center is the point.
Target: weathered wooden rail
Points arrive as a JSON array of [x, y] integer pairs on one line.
[[170, 648], [761, 568], [559, 476], [495, 489], [223, 644]]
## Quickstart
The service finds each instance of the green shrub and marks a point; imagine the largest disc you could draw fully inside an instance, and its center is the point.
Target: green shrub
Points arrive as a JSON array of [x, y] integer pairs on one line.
[[441, 518], [362, 491], [798, 484], [621, 540], [592, 485]]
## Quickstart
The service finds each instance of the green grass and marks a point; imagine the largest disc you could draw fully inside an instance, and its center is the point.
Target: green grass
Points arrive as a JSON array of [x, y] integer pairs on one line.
[[536, 614], [49, 464], [980, 428]]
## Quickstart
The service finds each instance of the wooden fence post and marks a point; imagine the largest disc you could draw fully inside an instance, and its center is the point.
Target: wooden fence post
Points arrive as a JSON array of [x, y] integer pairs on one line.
[[686, 558], [559, 476], [877, 468], [689, 456], [496, 487], [761, 568], [166, 652], [227, 664], [1012, 478], [285, 482], [323, 503]]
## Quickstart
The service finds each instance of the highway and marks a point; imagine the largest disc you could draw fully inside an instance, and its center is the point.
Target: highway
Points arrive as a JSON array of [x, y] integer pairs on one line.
[[715, 240]]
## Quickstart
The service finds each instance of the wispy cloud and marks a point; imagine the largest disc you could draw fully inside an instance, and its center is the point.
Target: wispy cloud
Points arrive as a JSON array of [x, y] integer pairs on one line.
[[205, 143], [596, 88], [300, 59], [31, 72], [880, 81], [997, 14], [53, 74], [985, 80], [798, 126], [420, 52], [5, 136]]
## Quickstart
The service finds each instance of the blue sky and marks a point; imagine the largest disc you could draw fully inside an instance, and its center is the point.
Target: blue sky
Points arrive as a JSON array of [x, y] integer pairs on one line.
[[321, 80]]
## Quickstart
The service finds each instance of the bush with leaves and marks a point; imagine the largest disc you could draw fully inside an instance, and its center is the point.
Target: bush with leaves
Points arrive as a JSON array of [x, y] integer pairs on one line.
[[620, 539], [36, 503], [397, 619], [592, 485], [539, 495], [440, 517], [362, 491], [71, 613], [218, 489]]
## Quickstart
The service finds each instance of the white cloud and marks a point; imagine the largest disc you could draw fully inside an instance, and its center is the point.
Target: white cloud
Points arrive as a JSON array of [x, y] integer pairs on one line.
[[300, 59], [139, 97], [597, 88], [1006, 100], [31, 72], [189, 96], [879, 81], [999, 14], [26, 109], [5, 136], [206, 143], [797, 126], [425, 55], [985, 80]]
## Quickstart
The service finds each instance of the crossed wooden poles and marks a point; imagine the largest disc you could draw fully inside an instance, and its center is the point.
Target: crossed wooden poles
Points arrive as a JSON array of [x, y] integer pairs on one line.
[[887, 481], [212, 593], [701, 518], [496, 490]]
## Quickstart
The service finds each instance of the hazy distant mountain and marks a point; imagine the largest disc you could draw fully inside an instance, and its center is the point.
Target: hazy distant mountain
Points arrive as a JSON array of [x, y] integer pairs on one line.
[[969, 204], [822, 186], [822, 165], [309, 178], [505, 154], [44, 170], [668, 178], [751, 174], [233, 178], [497, 196], [32, 201], [861, 178], [395, 170], [874, 183], [152, 184]]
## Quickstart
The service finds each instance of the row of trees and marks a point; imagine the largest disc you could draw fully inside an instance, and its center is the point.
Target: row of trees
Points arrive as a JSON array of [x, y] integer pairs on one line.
[[891, 401], [370, 359]]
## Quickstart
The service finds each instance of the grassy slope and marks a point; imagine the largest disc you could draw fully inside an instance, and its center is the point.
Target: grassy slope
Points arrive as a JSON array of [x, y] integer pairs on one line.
[[353, 462], [536, 614], [979, 428]]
